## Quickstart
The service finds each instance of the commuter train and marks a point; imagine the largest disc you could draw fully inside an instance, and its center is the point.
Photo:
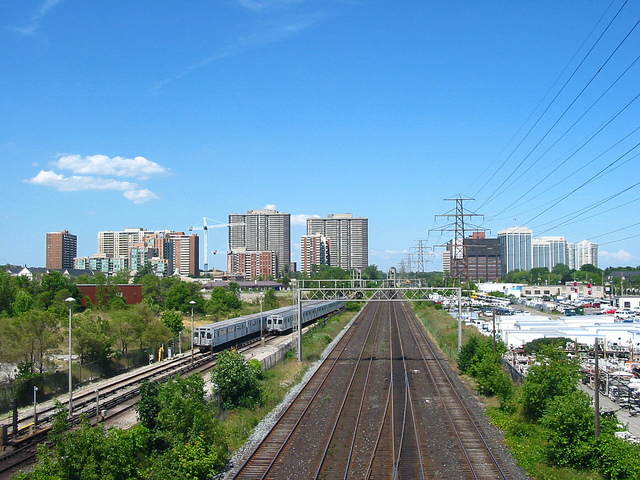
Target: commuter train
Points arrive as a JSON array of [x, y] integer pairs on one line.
[[219, 335], [282, 321]]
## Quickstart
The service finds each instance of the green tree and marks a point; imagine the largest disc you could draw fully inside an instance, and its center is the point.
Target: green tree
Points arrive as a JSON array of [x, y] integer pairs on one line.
[[221, 302], [270, 300], [184, 431], [552, 375], [92, 453], [24, 301], [569, 420], [8, 291], [55, 288], [372, 273], [174, 322], [29, 338], [92, 336], [237, 381], [179, 296]]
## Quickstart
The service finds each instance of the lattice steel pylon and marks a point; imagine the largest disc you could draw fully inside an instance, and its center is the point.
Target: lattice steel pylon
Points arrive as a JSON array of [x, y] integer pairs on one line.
[[459, 262]]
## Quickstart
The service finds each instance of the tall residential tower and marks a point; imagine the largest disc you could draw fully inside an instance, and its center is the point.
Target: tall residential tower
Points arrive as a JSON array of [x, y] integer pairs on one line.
[[62, 248], [348, 239], [263, 231]]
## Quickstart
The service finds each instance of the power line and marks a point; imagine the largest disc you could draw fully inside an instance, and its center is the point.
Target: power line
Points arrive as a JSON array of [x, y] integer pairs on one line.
[[542, 100], [494, 194]]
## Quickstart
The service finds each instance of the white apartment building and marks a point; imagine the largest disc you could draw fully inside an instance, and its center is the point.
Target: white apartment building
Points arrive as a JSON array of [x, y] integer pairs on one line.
[[586, 252], [348, 239]]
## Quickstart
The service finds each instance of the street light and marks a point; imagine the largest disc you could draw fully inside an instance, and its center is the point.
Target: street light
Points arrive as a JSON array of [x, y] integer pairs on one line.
[[261, 297], [70, 302], [35, 411], [192, 303]]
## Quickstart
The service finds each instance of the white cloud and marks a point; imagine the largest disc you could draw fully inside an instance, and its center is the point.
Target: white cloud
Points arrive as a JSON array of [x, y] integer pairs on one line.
[[140, 196], [270, 207], [620, 256], [138, 167], [48, 178], [301, 219]]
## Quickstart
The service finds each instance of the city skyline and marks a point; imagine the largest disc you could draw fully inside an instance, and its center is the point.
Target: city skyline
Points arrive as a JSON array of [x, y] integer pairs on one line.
[[377, 108]]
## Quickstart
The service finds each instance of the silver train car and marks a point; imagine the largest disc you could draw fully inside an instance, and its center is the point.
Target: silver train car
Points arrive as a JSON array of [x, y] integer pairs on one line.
[[280, 322], [235, 331]]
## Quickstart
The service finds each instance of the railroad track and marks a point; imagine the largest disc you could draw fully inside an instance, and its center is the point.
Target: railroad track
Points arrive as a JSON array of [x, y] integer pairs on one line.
[[381, 406]]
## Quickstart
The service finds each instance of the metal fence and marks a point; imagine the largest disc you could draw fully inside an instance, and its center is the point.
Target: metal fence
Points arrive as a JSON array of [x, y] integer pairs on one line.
[[56, 383]]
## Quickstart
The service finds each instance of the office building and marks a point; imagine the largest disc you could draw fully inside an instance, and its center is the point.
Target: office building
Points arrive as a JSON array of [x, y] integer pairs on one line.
[[262, 231], [61, 249], [348, 239], [481, 261], [314, 251], [549, 252], [516, 249]]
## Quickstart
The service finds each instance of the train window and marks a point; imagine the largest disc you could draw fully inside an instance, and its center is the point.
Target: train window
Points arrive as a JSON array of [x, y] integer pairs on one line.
[[209, 335]]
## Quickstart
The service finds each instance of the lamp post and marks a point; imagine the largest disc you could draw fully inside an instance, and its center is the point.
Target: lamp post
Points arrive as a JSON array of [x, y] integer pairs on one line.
[[261, 320], [35, 411], [192, 303], [70, 302]]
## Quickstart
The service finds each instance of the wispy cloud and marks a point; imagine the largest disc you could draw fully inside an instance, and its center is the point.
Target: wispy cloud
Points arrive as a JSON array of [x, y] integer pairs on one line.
[[279, 27], [260, 6], [92, 170], [44, 9]]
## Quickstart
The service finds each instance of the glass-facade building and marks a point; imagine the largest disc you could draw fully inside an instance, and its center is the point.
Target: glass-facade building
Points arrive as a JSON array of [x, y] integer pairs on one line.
[[517, 248], [549, 252]]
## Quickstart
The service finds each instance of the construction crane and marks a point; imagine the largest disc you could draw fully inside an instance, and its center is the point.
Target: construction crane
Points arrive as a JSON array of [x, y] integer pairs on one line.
[[206, 228]]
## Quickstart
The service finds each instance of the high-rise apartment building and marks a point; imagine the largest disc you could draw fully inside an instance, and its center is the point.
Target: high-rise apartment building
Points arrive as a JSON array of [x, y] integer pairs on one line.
[[186, 253], [167, 251], [516, 249], [253, 264], [61, 249], [348, 239], [549, 252], [315, 250], [262, 231], [586, 252]]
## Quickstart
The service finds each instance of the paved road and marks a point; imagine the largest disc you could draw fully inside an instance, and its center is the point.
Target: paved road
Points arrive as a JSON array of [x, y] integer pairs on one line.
[[607, 405]]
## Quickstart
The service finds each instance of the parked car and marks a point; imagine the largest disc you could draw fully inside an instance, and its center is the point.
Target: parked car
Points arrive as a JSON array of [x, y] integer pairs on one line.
[[624, 313]]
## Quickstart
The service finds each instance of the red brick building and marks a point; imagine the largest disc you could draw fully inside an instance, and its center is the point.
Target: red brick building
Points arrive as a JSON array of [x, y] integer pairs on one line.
[[132, 294]]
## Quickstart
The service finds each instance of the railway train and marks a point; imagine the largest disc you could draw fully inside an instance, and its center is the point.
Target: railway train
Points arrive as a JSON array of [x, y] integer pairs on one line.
[[219, 335], [282, 321]]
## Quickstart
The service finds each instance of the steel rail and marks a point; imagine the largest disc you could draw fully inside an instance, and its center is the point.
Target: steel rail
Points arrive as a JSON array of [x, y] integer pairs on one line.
[[272, 452], [418, 332], [345, 397]]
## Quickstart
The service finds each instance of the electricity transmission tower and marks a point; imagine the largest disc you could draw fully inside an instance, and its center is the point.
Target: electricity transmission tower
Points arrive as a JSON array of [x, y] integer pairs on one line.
[[459, 266]]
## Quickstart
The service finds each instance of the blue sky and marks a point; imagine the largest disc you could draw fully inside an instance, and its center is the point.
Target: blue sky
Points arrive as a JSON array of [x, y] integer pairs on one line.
[[117, 114]]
